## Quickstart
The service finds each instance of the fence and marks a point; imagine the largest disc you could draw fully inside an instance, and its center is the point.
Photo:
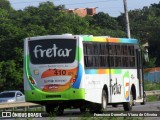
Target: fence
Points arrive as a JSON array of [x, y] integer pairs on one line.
[[152, 74]]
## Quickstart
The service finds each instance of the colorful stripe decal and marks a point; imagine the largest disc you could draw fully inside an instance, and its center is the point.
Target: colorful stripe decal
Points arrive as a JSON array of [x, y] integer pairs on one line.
[[79, 77], [114, 40], [103, 71]]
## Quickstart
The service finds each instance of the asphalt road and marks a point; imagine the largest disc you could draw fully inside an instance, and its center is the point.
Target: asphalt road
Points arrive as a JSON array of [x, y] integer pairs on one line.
[[149, 108]]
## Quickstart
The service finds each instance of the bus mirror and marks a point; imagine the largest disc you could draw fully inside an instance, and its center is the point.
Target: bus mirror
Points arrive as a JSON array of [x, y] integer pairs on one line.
[[146, 58], [145, 51]]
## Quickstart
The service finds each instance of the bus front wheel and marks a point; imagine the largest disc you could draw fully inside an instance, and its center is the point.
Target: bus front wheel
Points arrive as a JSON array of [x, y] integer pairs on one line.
[[128, 105]]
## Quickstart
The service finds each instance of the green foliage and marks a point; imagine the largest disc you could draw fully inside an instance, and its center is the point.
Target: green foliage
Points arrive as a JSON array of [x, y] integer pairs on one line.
[[145, 25], [151, 63], [148, 86], [15, 25], [10, 76], [42, 20], [152, 98], [5, 4], [151, 86]]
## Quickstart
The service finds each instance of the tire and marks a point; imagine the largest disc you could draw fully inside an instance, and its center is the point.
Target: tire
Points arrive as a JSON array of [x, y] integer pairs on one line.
[[59, 111], [128, 105], [49, 109], [144, 99], [115, 105], [54, 110], [104, 101], [134, 103], [132, 99], [83, 109]]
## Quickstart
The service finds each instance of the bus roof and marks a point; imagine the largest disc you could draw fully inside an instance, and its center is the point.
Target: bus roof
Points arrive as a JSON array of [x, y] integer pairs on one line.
[[108, 39], [91, 38]]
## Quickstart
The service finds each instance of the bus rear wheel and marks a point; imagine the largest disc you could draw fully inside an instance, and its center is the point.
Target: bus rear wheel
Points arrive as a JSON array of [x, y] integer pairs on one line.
[[54, 110], [104, 100], [82, 109]]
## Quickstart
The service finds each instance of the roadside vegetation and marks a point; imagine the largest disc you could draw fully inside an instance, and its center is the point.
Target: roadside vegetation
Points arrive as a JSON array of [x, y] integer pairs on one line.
[[148, 86], [151, 86], [48, 19]]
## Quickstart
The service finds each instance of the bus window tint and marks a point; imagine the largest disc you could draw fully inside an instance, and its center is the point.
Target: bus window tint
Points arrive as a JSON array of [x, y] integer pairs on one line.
[[100, 55]]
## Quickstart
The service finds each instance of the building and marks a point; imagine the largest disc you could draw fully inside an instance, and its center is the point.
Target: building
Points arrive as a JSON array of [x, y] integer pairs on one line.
[[82, 12]]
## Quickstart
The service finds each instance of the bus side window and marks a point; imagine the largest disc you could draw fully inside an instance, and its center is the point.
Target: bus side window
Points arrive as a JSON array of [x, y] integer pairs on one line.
[[111, 61], [112, 49], [96, 49], [118, 62], [88, 49], [85, 49], [118, 49], [88, 54], [125, 61], [132, 61], [90, 61], [131, 55]]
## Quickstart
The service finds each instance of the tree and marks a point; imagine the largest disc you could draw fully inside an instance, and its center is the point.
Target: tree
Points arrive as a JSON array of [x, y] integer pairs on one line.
[[5, 4]]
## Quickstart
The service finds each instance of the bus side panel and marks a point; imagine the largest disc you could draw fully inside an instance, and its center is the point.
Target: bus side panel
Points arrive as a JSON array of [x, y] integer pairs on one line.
[[121, 85], [94, 84]]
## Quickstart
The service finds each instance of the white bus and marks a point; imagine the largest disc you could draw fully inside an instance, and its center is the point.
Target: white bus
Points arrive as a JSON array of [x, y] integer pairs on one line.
[[82, 71]]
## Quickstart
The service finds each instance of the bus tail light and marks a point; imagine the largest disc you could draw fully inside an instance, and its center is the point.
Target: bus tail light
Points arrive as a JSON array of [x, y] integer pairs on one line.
[[74, 79], [32, 80]]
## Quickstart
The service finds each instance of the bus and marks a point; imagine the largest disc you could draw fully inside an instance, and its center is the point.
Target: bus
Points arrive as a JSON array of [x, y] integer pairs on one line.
[[83, 71]]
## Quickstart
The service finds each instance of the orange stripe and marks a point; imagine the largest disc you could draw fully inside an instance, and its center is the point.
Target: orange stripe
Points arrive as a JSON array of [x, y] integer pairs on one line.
[[112, 39], [103, 71], [127, 84]]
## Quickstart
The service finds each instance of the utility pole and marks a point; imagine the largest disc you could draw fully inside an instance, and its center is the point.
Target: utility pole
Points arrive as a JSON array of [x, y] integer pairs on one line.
[[127, 19]]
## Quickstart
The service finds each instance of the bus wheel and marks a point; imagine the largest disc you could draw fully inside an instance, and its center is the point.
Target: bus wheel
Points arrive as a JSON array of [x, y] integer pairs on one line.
[[104, 100], [54, 110], [49, 109], [128, 105], [59, 110], [144, 99], [82, 109], [115, 105]]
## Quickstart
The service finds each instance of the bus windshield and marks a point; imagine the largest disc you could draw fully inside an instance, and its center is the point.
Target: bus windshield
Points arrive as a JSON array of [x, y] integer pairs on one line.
[[52, 51]]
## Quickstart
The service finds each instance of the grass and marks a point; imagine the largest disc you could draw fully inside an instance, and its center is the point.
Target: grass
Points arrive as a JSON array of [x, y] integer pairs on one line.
[[148, 86], [151, 86], [152, 98]]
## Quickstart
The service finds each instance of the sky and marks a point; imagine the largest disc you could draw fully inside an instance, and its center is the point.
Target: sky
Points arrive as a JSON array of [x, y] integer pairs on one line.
[[113, 7]]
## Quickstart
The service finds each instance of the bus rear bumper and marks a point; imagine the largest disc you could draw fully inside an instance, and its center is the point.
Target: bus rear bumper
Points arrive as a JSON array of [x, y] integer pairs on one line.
[[40, 96]]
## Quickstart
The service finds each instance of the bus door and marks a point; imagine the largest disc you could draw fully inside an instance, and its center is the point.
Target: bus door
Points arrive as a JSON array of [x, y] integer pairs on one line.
[[115, 77], [139, 71]]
